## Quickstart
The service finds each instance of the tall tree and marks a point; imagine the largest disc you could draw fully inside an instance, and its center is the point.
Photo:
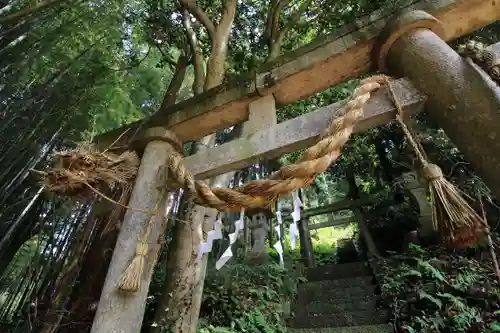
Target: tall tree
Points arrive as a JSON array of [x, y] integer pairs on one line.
[[179, 306]]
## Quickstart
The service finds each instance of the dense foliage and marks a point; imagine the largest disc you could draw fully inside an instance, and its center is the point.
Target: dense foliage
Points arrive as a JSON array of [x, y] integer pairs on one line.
[[435, 291], [246, 299]]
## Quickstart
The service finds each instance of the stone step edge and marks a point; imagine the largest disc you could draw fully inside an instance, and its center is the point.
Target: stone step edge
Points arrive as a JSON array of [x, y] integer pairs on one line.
[[311, 286], [312, 294], [371, 304], [365, 279], [375, 314], [381, 328], [356, 264], [316, 277], [352, 265], [337, 301]]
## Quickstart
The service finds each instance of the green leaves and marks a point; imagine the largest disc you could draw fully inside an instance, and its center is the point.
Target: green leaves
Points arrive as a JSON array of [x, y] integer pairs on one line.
[[247, 299], [425, 296], [439, 292]]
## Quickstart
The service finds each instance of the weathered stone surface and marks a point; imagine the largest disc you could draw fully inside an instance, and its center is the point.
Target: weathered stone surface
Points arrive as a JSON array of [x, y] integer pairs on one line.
[[328, 305], [460, 99], [313, 68], [344, 271], [358, 318], [363, 303], [259, 227], [316, 291], [119, 312], [384, 328], [298, 133], [418, 189]]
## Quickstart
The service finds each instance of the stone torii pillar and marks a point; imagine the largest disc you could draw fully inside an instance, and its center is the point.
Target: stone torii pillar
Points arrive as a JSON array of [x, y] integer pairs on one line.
[[118, 312], [460, 97]]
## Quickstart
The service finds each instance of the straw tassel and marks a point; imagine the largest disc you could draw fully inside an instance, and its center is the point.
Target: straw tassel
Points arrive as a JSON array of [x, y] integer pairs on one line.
[[130, 281], [458, 224]]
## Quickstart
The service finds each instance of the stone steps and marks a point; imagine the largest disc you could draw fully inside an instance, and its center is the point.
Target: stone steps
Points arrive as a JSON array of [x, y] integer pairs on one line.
[[343, 271], [385, 328], [330, 290], [340, 319], [338, 299], [334, 306]]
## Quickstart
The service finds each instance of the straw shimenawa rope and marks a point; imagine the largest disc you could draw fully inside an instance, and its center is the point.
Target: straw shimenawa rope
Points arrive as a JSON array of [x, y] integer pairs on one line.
[[130, 281], [314, 161], [454, 218], [486, 59], [258, 193], [459, 225], [83, 172]]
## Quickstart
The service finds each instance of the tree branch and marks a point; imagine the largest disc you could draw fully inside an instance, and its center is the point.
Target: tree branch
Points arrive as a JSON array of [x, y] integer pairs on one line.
[[217, 60], [165, 57], [197, 55], [269, 21], [200, 15], [225, 24], [276, 17], [176, 82], [277, 35]]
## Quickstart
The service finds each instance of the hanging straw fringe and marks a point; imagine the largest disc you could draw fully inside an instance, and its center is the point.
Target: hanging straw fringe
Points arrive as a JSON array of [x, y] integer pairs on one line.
[[130, 280], [459, 225]]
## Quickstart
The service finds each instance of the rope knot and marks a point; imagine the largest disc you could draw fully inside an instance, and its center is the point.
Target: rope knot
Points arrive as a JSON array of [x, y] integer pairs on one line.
[[142, 249], [432, 172]]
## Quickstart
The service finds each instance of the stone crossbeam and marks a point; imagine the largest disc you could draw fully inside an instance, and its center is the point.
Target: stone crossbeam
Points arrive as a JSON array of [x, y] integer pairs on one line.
[[333, 223], [322, 64], [298, 133]]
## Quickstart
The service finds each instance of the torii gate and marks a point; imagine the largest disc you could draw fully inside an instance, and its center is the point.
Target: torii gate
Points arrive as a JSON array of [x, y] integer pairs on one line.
[[458, 96]]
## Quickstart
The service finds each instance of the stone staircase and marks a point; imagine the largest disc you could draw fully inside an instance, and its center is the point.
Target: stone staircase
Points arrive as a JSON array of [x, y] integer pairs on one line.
[[338, 299]]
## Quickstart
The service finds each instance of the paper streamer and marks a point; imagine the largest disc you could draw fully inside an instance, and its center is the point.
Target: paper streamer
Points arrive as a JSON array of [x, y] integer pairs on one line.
[[214, 234], [228, 254], [294, 231], [279, 218], [277, 246]]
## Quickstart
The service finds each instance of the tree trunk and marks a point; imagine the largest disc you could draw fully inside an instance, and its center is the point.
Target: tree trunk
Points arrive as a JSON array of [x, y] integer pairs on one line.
[[180, 304], [181, 300]]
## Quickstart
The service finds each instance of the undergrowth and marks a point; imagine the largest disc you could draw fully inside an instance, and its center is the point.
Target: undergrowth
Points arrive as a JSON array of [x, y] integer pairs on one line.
[[243, 298], [432, 291], [324, 254]]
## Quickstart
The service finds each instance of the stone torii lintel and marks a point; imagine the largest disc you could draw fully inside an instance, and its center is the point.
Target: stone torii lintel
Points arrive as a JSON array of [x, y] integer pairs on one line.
[[326, 62]]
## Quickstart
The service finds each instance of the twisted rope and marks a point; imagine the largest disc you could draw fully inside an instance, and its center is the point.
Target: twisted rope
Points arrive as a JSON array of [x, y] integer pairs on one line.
[[456, 221], [488, 60], [314, 161]]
